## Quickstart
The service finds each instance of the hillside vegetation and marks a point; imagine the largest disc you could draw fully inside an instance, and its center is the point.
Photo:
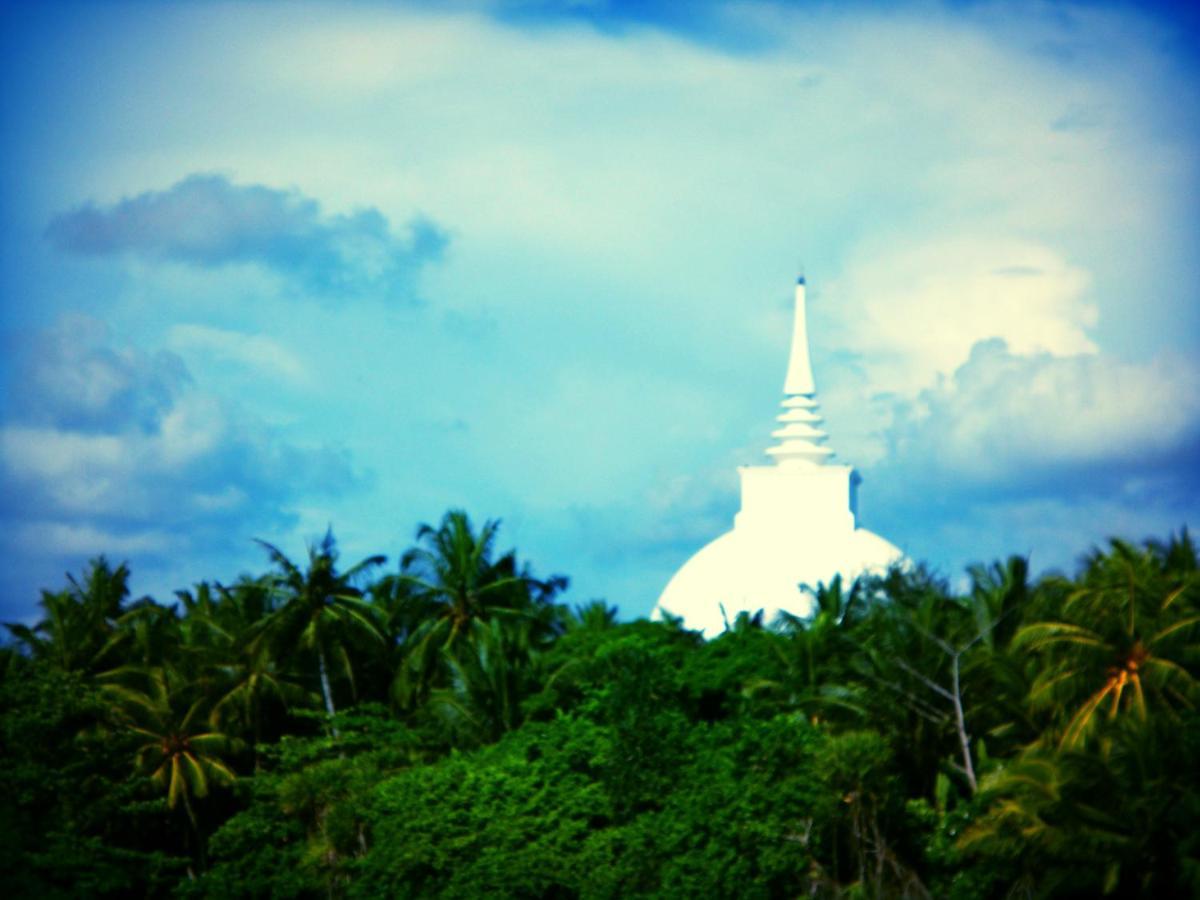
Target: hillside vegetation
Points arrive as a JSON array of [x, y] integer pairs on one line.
[[446, 727]]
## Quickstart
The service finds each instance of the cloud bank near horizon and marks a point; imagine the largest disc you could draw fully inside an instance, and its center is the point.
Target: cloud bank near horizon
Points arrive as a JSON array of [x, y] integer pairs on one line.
[[115, 450]]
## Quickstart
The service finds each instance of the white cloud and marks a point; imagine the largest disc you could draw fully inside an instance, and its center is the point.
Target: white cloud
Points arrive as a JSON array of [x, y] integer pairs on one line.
[[908, 156], [253, 351], [913, 311], [129, 474], [82, 540], [133, 476], [698, 177], [1007, 419], [74, 375], [53, 454], [147, 471], [207, 221]]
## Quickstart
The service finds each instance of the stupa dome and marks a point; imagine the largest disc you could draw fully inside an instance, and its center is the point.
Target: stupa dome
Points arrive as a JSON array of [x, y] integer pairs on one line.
[[797, 524]]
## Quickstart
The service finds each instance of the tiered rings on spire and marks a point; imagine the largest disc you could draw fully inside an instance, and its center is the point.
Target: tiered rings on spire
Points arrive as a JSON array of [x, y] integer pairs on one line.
[[801, 439]]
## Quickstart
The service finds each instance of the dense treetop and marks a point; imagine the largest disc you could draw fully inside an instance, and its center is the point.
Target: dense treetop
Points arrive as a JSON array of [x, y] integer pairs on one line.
[[449, 728]]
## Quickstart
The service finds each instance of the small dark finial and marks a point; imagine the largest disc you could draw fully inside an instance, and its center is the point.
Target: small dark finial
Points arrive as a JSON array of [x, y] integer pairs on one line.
[[800, 278]]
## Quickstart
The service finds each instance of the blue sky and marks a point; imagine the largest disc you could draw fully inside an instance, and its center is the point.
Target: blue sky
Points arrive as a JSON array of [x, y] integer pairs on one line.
[[267, 267]]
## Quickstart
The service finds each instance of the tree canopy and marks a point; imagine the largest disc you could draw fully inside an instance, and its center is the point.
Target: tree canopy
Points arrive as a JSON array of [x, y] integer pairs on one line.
[[451, 728]]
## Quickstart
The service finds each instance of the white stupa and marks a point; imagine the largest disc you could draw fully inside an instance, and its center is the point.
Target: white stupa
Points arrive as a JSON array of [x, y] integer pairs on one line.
[[797, 524]]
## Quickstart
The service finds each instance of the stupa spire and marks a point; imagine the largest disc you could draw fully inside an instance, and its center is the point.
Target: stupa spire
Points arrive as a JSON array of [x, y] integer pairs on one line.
[[801, 439], [797, 525]]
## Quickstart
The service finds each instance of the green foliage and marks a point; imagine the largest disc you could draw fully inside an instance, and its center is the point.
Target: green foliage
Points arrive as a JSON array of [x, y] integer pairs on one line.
[[472, 624], [306, 823], [71, 822], [749, 816], [536, 815], [450, 730], [512, 820], [1122, 641], [79, 629], [320, 611]]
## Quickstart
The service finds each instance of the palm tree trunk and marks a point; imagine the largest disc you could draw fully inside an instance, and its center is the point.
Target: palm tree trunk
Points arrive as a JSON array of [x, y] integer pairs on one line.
[[201, 856], [257, 738], [960, 726], [325, 690]]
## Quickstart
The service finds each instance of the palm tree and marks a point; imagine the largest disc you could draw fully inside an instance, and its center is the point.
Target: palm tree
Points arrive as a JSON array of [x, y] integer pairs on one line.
[[80, 622], [321, 611], [400, 607], [490, 676], [176, 748], [455, 570], [824, 632], [998, 678], [814, 651], [595, 615], [1126, 639], [999, 592], [147, 634], [251, 682], [1075, 822], [1043, 818], [219, 642], [915, 644], [217, 619], [452, 572]]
